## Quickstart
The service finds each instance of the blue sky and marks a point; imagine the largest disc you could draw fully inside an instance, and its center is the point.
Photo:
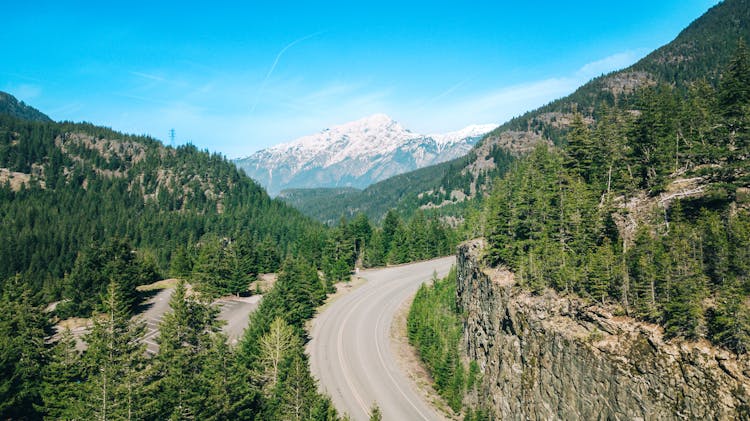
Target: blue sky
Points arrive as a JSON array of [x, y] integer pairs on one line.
[[235, 78]]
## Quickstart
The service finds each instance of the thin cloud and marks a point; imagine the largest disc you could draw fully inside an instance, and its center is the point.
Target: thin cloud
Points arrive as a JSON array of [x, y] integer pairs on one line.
[[25, 91], [449, 91], [610, 63], [502, 103], [276, 61], [148, 76]]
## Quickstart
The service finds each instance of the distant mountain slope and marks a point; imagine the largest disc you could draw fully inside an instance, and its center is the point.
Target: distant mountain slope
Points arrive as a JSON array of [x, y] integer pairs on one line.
[[699, 52], [355, 154], [9, 105], [65, 186], [329, 204]]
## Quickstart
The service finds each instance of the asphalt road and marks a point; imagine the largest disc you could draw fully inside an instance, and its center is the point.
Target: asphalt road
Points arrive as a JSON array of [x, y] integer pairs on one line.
[[351, 353], [234, 311]]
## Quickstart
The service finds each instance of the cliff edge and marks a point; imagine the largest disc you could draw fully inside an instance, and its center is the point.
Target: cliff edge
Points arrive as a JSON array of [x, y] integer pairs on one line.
[[553, 356]]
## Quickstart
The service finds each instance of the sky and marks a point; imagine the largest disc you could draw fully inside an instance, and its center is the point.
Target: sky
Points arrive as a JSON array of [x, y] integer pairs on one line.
[[235, 78]]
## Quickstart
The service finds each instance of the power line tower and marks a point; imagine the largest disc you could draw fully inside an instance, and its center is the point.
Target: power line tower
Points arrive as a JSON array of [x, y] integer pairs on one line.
[[171, 137]]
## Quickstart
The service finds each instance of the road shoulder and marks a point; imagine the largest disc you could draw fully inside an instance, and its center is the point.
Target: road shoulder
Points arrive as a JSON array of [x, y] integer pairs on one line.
[[410, 364]]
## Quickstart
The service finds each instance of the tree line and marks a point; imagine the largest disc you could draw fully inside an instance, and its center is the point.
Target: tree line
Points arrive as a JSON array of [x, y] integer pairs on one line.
[[359, 243]]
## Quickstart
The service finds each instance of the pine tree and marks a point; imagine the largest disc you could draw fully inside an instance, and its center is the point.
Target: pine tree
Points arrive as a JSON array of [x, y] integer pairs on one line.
[[23, 327], [185, 338], [731, 324], [375, 414], [114, 362], [684, 282], [603, 269], [62, 391], [181, 265], [230, 389], [390, 225], [243, 264], [296, 393], [361, 230], [734, 89], [580, 148], [375, 253], [213, 271]]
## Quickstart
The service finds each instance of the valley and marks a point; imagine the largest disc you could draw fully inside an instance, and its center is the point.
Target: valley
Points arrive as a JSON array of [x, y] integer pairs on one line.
[[587, 258]]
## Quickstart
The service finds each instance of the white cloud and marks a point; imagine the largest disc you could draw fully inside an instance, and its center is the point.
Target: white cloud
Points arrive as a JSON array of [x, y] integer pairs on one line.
[[500, 104]]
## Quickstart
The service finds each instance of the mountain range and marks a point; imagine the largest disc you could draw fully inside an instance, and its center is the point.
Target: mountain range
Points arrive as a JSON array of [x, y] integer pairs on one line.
[[356, 154]]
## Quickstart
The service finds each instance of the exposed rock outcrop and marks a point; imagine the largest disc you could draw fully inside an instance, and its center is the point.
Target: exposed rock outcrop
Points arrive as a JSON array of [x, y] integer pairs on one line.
[[558, 357]]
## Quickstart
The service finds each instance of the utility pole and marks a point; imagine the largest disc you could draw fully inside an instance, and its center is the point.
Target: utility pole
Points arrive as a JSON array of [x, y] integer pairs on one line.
[[171, 137]]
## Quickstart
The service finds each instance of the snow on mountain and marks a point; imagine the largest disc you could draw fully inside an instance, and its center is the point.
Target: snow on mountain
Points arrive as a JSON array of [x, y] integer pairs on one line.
[[475, 130], [356, 154]]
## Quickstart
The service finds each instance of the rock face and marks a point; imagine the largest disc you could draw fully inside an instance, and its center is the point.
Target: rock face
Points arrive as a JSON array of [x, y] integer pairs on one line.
[[557, 357]]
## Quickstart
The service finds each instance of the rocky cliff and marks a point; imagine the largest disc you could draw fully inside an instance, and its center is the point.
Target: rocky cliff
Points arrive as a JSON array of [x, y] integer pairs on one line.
[[558, 357]]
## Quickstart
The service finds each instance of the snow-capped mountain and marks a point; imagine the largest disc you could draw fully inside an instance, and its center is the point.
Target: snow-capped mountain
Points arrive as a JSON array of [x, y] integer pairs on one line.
[[355, 154]]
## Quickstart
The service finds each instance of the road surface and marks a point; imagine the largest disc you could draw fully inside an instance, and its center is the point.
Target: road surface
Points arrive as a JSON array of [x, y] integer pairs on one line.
[[351, 353], [234, 311]]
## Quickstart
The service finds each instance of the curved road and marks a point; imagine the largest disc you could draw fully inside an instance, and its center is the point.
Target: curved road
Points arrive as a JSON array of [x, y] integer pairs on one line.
[[351, 353]]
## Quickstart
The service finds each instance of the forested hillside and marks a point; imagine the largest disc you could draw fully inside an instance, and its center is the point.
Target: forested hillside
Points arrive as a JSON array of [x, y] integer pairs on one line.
[[646, 209], [71, 191]]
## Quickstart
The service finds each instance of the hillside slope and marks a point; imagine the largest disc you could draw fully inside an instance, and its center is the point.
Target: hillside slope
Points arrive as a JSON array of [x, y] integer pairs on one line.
[[67, 187], [699, 52]]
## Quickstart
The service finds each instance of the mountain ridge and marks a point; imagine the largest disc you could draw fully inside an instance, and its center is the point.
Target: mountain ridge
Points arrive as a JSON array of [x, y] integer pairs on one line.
[[355, 154], [11, 106]]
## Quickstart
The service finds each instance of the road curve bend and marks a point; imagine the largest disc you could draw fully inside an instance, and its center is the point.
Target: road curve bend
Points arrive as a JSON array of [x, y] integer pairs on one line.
[[350, 351]]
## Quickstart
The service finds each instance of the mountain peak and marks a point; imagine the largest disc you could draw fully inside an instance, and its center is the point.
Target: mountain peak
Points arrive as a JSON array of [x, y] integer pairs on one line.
[[378, 118]]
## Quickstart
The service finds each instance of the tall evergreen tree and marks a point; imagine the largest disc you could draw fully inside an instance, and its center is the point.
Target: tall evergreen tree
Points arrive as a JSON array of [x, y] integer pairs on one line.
[[23, 327], [185, 338], [63, 392], [114, 362]]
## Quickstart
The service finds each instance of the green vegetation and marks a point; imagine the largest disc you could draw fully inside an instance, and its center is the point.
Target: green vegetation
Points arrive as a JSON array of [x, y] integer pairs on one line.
[[407, 193], [400, 192], [434, 327], [554, 218], [359, 243], [196, 373]]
